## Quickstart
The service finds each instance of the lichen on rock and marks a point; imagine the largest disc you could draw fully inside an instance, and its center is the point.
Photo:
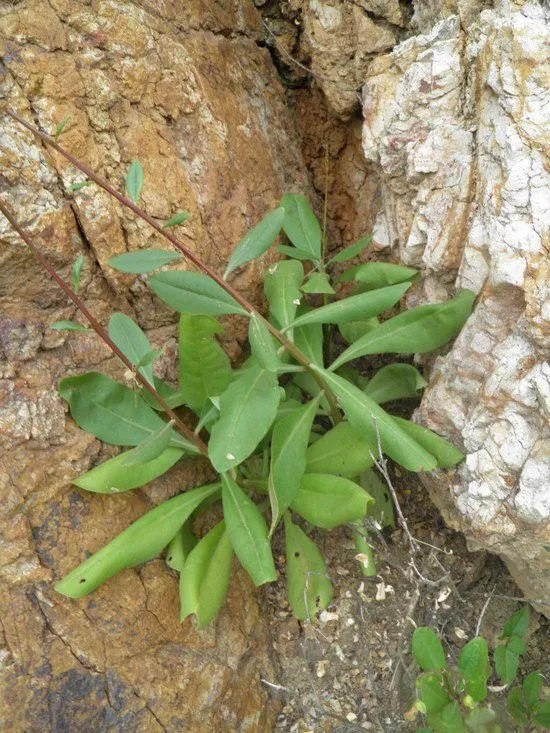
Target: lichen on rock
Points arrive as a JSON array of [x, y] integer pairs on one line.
[[456, 121]]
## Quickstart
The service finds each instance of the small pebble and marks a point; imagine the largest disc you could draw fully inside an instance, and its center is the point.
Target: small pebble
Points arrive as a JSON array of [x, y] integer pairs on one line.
[[322, 667]]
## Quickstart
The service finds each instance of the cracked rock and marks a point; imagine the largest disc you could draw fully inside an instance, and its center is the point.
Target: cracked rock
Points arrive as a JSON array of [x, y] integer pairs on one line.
[[456, 122], [187, 89]]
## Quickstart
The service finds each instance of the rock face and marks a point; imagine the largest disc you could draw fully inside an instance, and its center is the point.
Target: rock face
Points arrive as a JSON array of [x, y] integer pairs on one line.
[[184, 87], [455, 144], [456, 120], [342, 38]]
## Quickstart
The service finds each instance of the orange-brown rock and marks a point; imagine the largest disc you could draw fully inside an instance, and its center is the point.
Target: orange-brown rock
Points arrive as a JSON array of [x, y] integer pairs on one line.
[[184, 87]]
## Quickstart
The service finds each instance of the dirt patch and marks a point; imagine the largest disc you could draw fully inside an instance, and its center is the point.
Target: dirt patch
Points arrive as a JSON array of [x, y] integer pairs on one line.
[[353, 671]]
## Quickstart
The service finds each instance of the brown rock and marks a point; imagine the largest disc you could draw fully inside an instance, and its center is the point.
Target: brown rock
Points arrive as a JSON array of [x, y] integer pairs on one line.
[[185, 88], [342, 39], [333, 153]]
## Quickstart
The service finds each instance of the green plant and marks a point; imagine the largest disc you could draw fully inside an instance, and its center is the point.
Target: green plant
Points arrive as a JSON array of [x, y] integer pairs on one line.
[[283, 426], [455, 699]]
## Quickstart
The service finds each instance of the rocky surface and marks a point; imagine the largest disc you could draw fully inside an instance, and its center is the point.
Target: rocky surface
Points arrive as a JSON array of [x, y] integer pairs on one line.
[[187, 89], [456, 120], [451, 177], [332, 151], [341, 39]]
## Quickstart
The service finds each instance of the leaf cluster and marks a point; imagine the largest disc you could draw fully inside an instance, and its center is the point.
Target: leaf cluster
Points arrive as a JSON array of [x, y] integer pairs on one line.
[[293, 433], [456, 700]]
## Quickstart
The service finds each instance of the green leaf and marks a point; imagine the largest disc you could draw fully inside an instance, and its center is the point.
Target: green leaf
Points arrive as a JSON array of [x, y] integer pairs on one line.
[[532, 687], [542, 714], [113, 412], [77, 270], [517, 644], [418, 330], [355, 307], [149, 449], [444, 452], [288, 457], [257, 241], [180, 218], [262, 344], [133, 343], [141, 542], [367, 418], [506, 663], [301, 225], [309, 587], [282, 288], [134, 180], [342, 450], [79, 186], [247, 410], [355, 329], [349, 253], [308, 385], [432, 693], [61, 127], [383, 511], [205, 578], [395, 382], [248, 532], [318, 282], [480, 718], [293, 252], [69, 326], [348, 275], [149, 357], [448, 720], [474, 665], [193, 292], [329, 501], [516, 706], [169, 395], [364, 549], [309, 339], [428, 650], [181, 545], [115, 476], [145, 260], [517, 624], [204, 367], [379, 274], [209, 415]]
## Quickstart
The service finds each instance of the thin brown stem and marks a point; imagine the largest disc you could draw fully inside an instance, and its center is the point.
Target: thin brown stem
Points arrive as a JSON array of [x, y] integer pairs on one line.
[[325, 209], [101, 332], [128, 203]]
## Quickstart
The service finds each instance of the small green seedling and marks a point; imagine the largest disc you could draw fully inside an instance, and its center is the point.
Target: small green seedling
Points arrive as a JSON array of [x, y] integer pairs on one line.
[[292, 433], [457, 699]]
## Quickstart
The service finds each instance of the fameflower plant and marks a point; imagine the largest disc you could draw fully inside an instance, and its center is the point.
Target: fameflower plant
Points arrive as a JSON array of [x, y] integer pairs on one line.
[[292, 434]]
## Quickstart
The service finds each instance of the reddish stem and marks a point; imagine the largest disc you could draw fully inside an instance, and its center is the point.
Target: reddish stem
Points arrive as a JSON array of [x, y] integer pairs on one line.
[[101, 332], [125, 201]]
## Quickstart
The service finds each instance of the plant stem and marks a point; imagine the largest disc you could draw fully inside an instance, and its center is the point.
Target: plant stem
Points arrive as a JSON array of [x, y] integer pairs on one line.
[[128, 203], [101, 332], [325, 212]]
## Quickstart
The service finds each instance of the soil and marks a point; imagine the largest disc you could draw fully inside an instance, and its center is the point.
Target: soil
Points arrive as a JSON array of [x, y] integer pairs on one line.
[[353, 670]]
